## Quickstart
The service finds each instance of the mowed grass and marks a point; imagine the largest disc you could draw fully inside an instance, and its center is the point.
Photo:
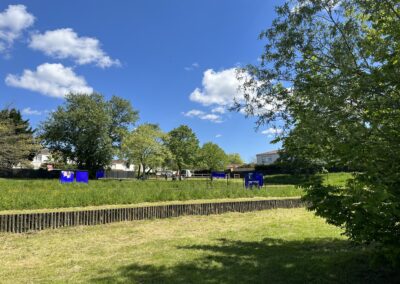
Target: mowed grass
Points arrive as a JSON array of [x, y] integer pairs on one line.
[[329, 178], [273, 246], [40, 194]]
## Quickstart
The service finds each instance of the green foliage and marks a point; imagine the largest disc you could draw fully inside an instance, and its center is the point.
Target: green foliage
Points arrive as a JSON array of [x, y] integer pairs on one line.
[[17, 144], [122, 117], [235, 159], [15, 117], [145, 146], [212, 157], [87, 130], [184, 146], [330, 72]]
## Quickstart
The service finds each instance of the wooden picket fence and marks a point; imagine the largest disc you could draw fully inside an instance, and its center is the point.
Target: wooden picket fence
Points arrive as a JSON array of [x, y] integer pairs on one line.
[[19, 223]]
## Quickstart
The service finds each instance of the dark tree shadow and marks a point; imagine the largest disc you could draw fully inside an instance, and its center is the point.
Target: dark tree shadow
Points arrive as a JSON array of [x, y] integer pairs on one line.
[[267, 261]]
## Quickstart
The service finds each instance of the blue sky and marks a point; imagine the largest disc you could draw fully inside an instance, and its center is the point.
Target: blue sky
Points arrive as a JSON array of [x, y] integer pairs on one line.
[[174, 60]]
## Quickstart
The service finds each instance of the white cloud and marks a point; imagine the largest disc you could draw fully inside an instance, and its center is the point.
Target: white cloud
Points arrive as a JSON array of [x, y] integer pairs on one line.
[[65, 43], [53, 80], [271, 132], [193, 66], [219, 109], [218, 88], [29, 111], [13, 21], [218, 135], [212, 117], [204, 116], [193, 113]]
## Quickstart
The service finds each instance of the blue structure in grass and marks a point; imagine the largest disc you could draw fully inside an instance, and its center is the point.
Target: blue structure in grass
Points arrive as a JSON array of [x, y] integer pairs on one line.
[[253, 179], [67, 176], [82, 176], [218, 175], [100, 174], [70, 176]]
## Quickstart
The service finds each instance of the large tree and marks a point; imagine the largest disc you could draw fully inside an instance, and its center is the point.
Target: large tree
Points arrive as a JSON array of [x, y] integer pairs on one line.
[[14, 116], [184, 146], [87, 129], [212, 157], [17, 144], [235, 159], [145, 147], [330, 76]]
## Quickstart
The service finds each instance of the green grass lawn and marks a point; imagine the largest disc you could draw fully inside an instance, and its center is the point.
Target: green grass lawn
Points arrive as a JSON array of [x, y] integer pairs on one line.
[[273, 246], [284, 179], [39, 194]]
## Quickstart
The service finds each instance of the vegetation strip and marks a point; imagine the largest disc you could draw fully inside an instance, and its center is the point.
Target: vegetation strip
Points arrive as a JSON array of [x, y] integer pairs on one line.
[[19, 223]]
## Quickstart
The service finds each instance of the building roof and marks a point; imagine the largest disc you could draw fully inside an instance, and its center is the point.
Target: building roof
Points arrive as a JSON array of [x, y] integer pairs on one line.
[[44, 151], [118, 162], [269, 153]]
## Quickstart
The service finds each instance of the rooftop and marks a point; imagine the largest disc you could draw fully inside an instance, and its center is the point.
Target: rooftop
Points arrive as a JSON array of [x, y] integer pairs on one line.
[[269, 153]]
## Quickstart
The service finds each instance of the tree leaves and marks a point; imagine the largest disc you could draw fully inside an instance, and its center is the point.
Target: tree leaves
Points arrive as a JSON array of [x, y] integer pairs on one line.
[[339, 61], [87, 129]]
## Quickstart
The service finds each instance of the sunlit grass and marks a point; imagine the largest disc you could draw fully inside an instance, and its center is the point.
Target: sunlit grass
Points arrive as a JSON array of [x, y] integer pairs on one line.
[[35, 194], [39, 194], [273, 246]]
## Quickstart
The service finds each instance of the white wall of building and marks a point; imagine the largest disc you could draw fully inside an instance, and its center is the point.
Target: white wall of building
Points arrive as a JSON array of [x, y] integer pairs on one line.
[[121, 166], [267, 158], [43, 157]]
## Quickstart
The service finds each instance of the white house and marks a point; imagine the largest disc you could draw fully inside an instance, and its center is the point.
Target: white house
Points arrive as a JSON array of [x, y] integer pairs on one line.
[[267, 158], [121, 166], [43, 156]]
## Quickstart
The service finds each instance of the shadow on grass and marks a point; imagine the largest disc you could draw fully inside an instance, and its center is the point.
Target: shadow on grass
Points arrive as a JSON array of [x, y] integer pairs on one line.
[[268, 261]]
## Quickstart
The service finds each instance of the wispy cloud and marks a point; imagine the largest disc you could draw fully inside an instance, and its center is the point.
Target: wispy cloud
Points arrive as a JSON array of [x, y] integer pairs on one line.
[[218, 135], [203, 115], [219, 109], [29, 111], [272, 132], [193, 66]]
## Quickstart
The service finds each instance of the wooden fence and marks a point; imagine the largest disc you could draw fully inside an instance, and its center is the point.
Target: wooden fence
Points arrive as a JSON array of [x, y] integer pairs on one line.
[[19, 223]]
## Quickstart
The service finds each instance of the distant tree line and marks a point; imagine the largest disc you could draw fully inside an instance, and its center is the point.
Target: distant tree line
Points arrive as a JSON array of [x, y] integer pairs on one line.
[[87, 132]]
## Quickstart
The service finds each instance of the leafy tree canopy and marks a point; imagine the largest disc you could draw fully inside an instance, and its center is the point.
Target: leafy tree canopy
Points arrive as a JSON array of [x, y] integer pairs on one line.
[[87, 129], [235, 159], [15, 117], [145, 146], [184, 146], [330, 73], [17, 144], [212, 157]]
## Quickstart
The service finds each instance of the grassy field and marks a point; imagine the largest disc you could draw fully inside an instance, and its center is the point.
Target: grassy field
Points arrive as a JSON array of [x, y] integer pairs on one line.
[[39, 194], [274, 246]]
